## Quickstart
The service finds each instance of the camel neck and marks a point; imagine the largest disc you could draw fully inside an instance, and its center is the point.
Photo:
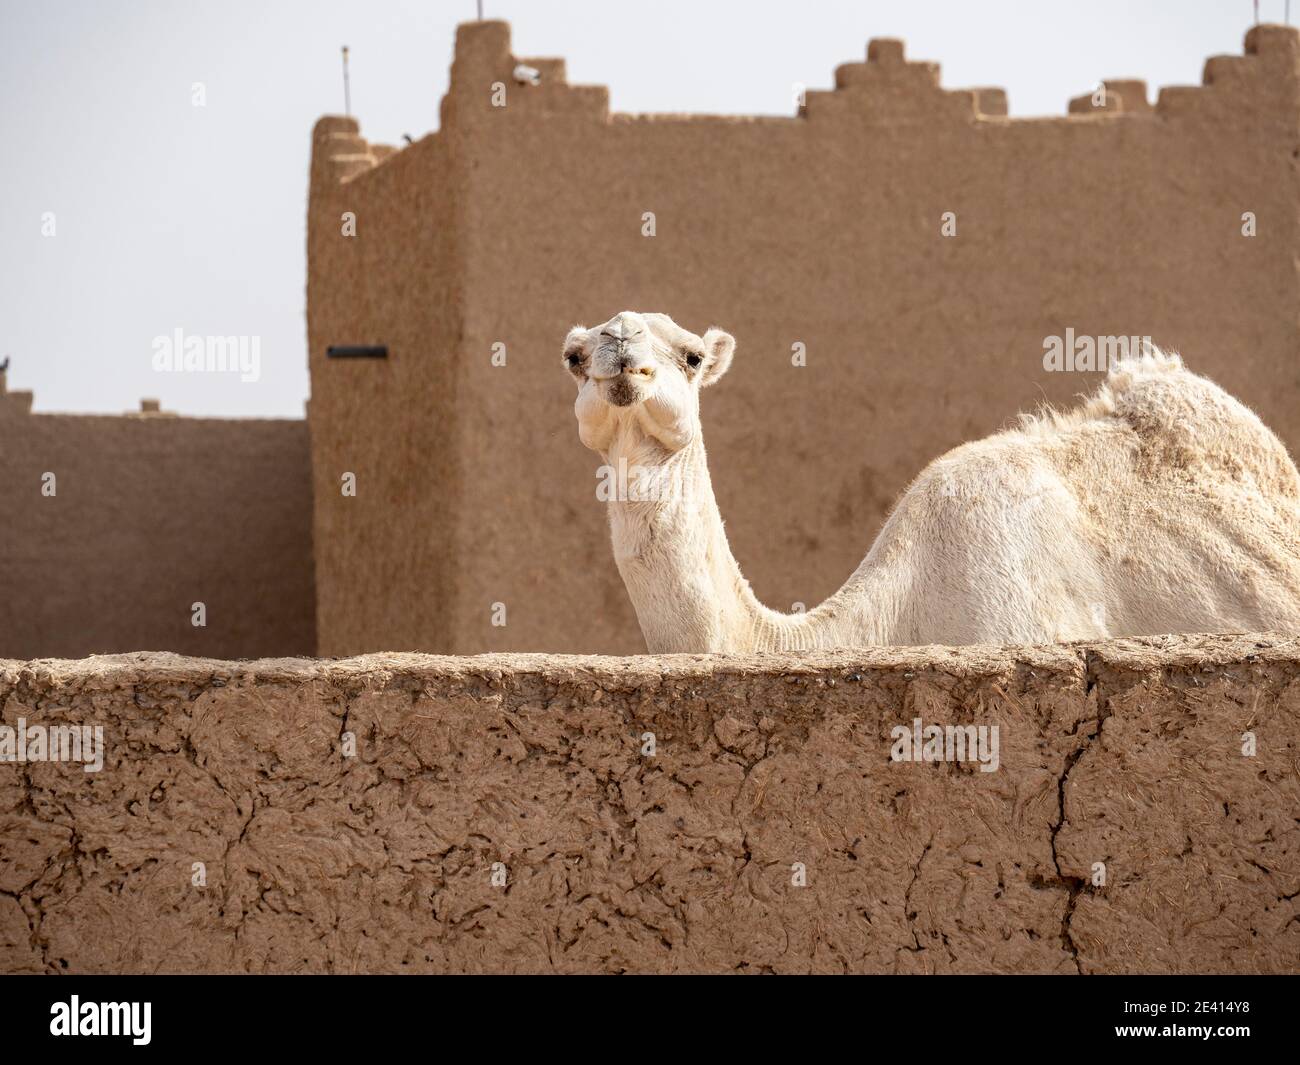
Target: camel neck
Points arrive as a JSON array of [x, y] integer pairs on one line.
[[672, 551]]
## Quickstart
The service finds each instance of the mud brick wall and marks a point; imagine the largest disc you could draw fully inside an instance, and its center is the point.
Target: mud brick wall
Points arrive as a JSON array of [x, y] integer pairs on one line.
[[499, 814], [150, 514]]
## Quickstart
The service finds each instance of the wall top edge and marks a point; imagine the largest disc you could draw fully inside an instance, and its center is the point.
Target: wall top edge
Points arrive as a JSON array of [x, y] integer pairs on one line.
[[1208, 653]]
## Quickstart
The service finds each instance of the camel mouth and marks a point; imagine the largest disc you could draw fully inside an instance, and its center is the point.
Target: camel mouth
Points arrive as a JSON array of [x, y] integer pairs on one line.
[[621, 392]]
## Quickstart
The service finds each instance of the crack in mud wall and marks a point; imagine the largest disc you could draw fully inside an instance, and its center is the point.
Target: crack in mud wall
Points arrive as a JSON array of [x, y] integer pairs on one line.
[[530, 813]]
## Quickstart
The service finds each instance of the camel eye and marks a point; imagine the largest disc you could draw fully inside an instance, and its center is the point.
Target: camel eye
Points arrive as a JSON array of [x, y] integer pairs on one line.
[[694, 359], [573, 358]]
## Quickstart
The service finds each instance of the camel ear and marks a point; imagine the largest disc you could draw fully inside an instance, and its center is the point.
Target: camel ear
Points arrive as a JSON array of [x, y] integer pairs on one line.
[[576, 341], [577, 346], [719, 347]]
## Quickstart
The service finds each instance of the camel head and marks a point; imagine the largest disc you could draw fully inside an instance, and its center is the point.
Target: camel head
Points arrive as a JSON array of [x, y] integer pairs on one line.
[[641, 375]]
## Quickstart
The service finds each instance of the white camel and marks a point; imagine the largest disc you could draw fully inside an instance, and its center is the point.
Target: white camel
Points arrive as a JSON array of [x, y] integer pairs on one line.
[[1160, 505]]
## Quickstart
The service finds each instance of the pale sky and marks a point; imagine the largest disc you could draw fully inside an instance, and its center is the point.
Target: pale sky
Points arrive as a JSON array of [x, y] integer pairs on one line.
[[168, 215]]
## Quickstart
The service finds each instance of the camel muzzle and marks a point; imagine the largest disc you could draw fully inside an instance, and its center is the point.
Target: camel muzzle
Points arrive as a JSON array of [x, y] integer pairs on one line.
[[622, 391]]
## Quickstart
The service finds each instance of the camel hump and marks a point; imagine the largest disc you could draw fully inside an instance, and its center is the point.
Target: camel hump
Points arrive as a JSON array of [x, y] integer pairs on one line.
[[1158, 395], [1184, 421]]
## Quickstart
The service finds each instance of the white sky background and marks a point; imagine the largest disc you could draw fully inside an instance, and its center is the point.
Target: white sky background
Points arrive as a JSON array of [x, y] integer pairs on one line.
[[170, 215]]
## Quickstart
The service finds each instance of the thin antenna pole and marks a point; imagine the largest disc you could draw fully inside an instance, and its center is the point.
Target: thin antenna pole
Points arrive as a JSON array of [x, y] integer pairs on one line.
[[480, 10], [347, 92], [1288, 12]]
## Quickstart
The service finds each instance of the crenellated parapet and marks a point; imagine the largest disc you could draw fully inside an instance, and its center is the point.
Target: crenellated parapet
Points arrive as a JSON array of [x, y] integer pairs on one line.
[[488, 81], [151, 408], [16, 404], [339, 152], [890, 88], [1268, 71], [1113, 96]]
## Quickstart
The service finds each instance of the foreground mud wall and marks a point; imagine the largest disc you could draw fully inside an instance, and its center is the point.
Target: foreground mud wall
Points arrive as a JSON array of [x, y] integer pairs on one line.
[[114, 527], [501, 814]]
